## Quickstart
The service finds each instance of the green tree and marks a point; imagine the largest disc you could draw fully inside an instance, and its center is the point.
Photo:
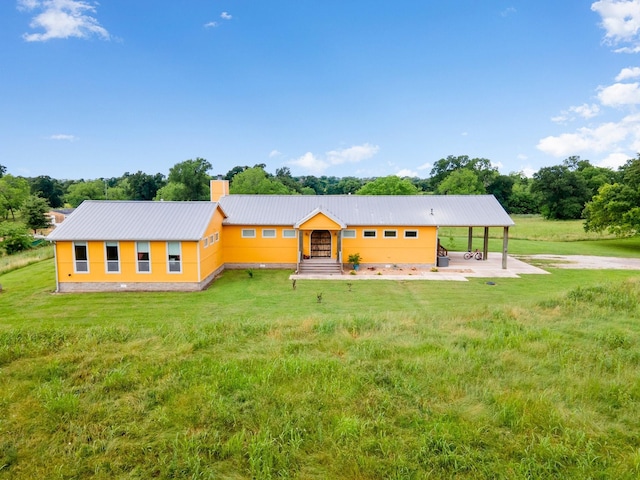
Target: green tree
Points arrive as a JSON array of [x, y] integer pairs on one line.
[[522, 200], [172, 192], [391, 185], [255, 181], [348, 185], [283, 175], [562, 192], [461, 182], [86, 190], [445, 166], [3, 170], [616, 207], [193, 175], [15, 237], [34, 213], [48, 188], [13, 192], [142, 186]]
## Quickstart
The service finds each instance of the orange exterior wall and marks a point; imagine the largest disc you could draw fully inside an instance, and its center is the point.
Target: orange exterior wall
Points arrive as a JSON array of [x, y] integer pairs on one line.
[[399, 250], [211, 256], [258, 249]]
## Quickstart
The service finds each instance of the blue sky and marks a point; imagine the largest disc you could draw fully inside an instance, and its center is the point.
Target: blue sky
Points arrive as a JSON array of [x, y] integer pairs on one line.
[[363, 88]]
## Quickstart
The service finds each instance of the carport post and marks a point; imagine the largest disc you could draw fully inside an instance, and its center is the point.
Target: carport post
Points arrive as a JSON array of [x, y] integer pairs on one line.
[[485, 246], [505, 243], [470, 240]]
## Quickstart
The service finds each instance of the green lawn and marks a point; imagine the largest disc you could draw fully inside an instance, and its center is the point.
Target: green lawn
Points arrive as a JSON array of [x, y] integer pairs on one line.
[[529, 378]]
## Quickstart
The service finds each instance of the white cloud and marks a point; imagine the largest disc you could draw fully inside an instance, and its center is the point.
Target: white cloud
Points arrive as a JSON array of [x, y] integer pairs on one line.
[[225, 16], [528, 171], [614, 160], [627, 73], [620, 94], [621, 22], [584, 111], [274, 153], [425, 166], [522, 156], [211, 25], [62, 19], [317, 165], [508, 11], [405, 172], [62, 136]]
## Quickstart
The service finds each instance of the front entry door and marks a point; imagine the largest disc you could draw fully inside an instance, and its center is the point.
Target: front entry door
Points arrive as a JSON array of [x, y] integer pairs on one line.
[[321, 243]]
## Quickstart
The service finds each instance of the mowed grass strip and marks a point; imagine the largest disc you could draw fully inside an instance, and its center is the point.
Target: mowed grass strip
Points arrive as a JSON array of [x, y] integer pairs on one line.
[[529, 378]]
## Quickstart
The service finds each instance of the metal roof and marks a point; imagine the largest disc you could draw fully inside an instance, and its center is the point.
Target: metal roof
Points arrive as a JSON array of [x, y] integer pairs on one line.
[[367, 210], [136, 220]]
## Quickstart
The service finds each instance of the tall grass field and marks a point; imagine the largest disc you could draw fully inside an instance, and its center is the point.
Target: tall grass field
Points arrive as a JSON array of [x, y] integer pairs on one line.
[[536, 377]]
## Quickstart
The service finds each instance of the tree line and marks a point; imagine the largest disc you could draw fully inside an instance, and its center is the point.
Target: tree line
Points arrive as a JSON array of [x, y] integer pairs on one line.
[[607, 199]]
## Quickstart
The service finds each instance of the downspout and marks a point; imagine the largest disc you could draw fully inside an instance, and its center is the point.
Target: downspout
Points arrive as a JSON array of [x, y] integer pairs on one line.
[[55, 262], [300, 250]]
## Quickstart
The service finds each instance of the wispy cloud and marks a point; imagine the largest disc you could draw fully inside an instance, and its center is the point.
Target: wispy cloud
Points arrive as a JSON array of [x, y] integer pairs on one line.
[[508, 11], [225, 16], [274, 153], [318, 164], [583, 111], [211, 25], [621, 22], [62, 136], [628, 73], [62, 19], [405, 172]]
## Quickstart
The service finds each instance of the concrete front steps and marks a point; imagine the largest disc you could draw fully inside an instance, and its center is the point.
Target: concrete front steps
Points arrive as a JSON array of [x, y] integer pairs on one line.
[[319, 266]]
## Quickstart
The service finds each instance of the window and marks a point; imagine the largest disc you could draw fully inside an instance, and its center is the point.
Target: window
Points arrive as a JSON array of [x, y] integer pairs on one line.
[[390, 234], [268, 233], [288, 233], [410, 234], [248, 233], [211, 239], [113, 260], [81, 257], [349, 234], [369, 233], [144, 263], [206, 242], [216, 237], [173, 257]]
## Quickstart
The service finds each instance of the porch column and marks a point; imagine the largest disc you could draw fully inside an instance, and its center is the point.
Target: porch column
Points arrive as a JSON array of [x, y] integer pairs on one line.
[[470, 239], [505, 243], [485, 246], [339, 246]]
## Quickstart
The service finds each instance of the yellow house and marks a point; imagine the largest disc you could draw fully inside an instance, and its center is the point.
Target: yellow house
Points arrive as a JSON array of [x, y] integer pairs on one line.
[[129, 245]]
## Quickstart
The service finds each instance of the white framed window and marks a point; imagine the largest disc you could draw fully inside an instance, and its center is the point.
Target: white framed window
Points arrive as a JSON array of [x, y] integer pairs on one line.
[[268, 233], [248, 233], [369, 233], [410, 234], [113, 257], [390, 234], [288, 233], [174, 257], [143, 257], [80, 257], [348, 234], [206, 242], [216, 237], [212, 238]]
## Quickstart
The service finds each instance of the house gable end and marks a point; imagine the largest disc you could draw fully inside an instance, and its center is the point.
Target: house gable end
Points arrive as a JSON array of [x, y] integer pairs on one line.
[[320, 220]]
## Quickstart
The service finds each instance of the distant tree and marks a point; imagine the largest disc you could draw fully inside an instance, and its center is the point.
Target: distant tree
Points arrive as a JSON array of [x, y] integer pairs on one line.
[[255, 181], [172, 192], [193, 175], [48, 188], [348, 185], [391, 185], [15, 237], [283, 175], [3, 170], [34, 213], [86, 190], [616, 207], [522, 200], [461, 182], [562, 191], [501, 187], [233, 172], [142, 186], [314, 183], [13, 192], [445, 166]]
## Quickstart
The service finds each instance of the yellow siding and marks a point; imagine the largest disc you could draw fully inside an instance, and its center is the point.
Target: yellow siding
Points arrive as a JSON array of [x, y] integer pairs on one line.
[[320, 222], [399, 250], [258, 249], [211, 256], [127, 253]]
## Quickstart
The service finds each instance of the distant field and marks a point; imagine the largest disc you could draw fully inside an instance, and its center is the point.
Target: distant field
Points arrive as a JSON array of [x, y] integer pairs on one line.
[[528, 378]]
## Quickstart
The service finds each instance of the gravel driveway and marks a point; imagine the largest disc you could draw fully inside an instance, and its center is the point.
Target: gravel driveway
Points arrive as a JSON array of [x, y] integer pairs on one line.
[[584, 261]]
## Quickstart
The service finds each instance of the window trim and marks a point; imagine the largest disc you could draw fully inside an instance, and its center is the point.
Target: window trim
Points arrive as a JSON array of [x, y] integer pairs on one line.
[[351, 233], [107, 262], [170, 262], [289, 230], [394, 236], [265, 230], [248, 233], [216, 237], [364, 233], [138, 260], [411, 237], [75, 260]]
